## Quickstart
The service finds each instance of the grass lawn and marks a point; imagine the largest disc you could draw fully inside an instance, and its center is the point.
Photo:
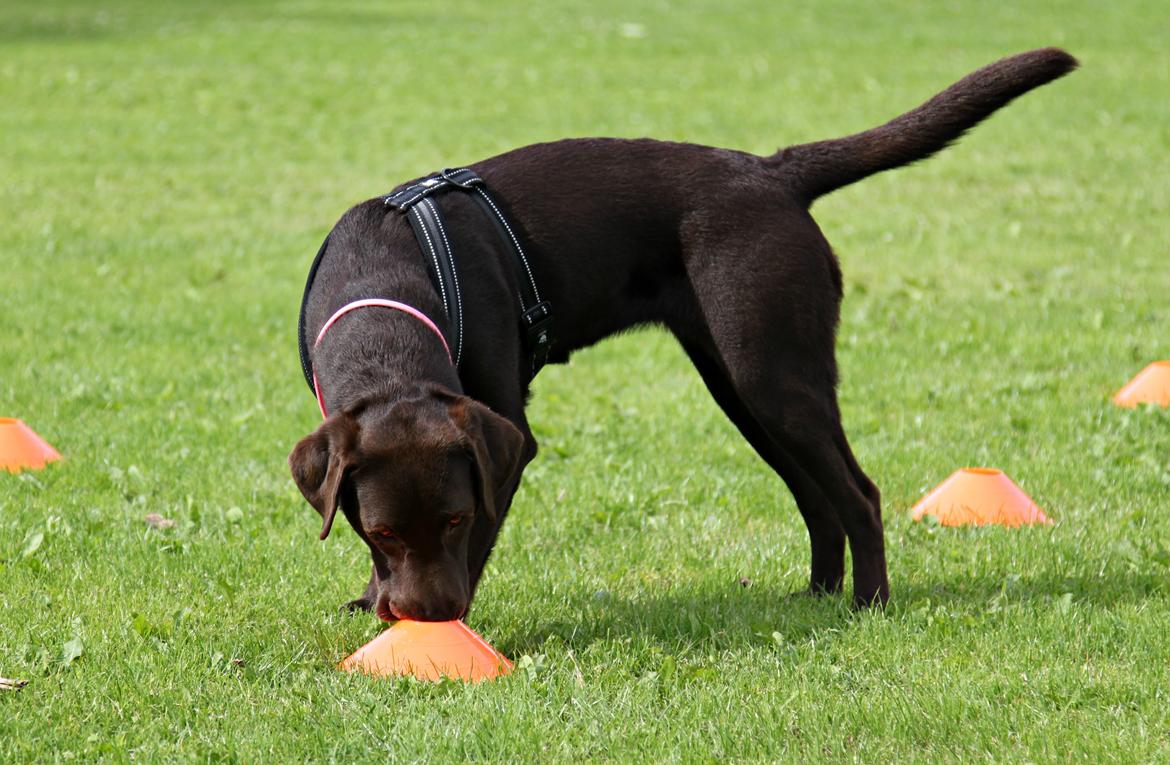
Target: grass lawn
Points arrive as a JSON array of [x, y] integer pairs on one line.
[[167, 172]]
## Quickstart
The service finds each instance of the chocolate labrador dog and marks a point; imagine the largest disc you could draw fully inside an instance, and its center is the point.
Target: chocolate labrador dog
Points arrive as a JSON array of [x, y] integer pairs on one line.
[[423, 456]]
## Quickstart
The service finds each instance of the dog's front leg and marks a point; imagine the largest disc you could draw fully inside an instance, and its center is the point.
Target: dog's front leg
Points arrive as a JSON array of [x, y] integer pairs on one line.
[[369, 597]]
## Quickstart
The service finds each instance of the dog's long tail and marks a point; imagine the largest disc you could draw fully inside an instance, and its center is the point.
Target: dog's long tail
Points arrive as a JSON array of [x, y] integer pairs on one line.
[[821, 167]]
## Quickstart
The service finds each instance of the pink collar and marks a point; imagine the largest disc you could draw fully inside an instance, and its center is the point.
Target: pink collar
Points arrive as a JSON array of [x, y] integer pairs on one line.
[[372, 303]]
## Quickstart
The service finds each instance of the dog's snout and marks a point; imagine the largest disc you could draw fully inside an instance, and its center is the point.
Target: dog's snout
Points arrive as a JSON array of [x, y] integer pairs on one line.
[[440, 610]]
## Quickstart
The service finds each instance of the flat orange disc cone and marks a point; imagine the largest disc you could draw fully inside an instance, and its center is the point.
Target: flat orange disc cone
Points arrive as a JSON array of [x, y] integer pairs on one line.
[[429, 650], [21, 448], [1151, 386], [979, 496]]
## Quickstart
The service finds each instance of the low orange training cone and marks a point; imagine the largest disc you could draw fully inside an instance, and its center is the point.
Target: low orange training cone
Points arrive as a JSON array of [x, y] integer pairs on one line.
[[21, 448], [979, 496], [1151, 386], [428, 651]]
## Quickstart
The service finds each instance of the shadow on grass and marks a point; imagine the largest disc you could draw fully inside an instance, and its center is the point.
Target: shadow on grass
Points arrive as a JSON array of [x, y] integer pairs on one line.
[[46, 23], [705, 619], [716, 617]]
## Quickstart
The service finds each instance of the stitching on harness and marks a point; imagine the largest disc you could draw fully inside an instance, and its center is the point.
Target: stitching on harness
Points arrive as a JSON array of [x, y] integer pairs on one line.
[[393, 198], [431, 246], [410, 201], [519, 249], [454, 276]]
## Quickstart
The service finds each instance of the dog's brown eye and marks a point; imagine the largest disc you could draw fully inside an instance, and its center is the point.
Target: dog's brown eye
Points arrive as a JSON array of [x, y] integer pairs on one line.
[[455, 521], [385, 534]]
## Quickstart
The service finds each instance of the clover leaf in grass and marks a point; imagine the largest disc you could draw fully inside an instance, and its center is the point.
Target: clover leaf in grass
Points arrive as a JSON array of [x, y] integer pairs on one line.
[[32, 543], [72, 650]]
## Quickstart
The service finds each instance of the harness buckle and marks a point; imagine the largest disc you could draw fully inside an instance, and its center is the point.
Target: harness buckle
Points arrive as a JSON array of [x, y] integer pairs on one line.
[[538, 322]]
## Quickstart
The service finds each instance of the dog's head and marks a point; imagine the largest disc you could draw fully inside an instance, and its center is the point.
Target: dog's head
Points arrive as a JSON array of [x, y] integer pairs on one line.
[[414, 476]]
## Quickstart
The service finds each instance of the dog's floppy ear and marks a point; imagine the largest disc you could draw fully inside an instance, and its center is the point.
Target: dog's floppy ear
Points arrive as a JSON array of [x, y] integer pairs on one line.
[[319, 463], [495, 446]]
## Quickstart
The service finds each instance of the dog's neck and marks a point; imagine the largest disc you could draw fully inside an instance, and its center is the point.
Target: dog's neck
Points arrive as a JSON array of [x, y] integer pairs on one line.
[[380, 352]]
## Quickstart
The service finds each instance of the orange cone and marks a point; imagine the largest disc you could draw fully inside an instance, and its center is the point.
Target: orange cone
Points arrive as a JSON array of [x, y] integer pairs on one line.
[[1151, 386], [429, 650], [979, 496], [21, 448]]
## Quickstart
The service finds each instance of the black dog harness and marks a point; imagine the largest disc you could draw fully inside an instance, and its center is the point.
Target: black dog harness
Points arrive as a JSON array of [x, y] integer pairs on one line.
[[417, 202]]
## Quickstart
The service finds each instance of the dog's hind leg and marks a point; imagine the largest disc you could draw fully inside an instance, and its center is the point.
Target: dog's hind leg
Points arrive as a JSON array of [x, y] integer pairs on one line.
[[826, 535], [770, 308], [795, 405]]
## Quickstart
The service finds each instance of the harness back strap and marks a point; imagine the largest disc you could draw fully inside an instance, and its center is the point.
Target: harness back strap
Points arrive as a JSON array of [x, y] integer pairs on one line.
[[428, 228], [423, 212], [426, 221]]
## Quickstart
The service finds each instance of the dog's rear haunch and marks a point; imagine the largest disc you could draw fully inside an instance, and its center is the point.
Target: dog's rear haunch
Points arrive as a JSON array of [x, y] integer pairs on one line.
[[715, 245]]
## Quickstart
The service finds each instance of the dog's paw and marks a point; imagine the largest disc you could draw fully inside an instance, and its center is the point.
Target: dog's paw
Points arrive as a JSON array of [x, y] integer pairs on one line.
[[876, 601], [359, 604], [813, 592]]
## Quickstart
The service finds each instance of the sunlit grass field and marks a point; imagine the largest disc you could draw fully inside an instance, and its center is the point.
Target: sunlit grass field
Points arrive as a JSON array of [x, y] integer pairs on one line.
[[167, 172]]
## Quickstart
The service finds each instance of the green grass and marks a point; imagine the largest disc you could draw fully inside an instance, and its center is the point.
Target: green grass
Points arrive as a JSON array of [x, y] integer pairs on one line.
[[168, 172]]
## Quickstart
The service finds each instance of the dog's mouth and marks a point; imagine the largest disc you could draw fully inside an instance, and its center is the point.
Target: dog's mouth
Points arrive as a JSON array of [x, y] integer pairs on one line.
[[383, 611]]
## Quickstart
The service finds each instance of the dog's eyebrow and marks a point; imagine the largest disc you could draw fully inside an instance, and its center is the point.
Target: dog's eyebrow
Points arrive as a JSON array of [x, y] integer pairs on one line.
[[451, 451]]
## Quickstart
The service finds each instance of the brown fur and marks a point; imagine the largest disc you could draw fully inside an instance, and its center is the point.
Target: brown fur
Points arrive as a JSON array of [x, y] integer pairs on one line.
[[717, 246]]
